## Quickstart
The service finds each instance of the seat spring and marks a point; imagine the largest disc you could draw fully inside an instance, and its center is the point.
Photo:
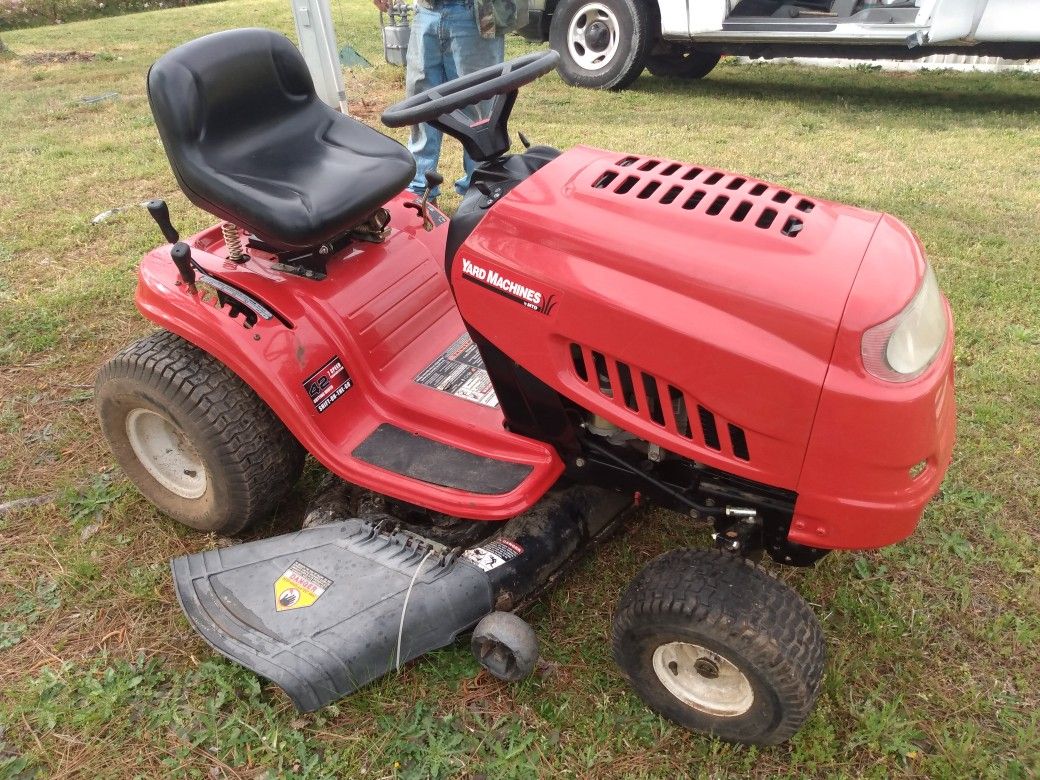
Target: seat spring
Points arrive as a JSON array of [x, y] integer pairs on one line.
[[233, 243]]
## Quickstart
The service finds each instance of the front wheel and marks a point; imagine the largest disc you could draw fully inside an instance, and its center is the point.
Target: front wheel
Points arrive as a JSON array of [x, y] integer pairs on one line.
[[717, 645], [603, 44], [193, 438]]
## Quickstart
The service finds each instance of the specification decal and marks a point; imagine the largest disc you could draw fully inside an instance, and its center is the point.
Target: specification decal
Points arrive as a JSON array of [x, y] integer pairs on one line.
[[460, 372], [299, 587], [327, 384], [493, 555]]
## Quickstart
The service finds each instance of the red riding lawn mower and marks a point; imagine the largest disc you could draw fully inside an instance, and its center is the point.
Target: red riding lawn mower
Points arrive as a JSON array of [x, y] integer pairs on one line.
[[591, 331]]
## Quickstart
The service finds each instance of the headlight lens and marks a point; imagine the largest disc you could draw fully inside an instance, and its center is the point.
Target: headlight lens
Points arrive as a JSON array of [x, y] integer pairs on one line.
[[901, 348]]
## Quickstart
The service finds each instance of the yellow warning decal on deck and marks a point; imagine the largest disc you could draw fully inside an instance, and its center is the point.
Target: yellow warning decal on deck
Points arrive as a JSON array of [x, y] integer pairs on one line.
[[300, 586]]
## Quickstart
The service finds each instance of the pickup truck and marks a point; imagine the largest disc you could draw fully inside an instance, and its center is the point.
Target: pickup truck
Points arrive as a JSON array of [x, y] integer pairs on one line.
[[606, 44]]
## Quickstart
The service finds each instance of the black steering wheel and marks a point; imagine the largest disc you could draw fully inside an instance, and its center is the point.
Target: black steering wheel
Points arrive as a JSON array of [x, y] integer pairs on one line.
[[483, 139]]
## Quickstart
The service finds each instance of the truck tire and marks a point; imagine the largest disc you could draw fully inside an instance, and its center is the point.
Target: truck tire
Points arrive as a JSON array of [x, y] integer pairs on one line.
[[193, 438], [603, 44], [712, 642], [683, 65]]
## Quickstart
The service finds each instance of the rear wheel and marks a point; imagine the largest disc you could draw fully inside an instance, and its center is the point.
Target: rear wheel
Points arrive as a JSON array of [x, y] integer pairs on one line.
[[683, 64], [714, 643], [193, 438], [603, 44]]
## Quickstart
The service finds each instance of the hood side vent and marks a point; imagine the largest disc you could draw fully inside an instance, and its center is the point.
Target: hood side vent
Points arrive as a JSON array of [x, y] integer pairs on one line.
[[656, 401], [739, 441], [710, 429]]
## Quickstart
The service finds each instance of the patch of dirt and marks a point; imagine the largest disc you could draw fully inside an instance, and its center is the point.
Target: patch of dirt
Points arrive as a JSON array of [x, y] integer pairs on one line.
[[57, 57], [367, 111], [368, 96]]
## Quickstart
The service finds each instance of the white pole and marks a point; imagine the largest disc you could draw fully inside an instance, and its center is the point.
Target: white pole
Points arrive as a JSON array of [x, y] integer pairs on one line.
[[318, 45]]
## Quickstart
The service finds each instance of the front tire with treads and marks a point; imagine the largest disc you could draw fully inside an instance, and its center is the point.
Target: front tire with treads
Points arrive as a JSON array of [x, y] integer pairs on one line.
[[193, 438], [713, 642]]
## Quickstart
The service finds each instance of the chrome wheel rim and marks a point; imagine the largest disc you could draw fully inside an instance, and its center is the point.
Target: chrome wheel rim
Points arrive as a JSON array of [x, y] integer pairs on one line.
[[593, 36], [165, 452], [703, 679]]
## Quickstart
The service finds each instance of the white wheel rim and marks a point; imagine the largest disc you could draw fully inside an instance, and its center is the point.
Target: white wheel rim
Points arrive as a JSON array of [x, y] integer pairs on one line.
[[165, 452], [703, 679], [592, 36]]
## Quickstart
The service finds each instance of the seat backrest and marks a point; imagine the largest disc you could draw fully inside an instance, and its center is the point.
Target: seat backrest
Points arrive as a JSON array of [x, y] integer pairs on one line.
[[220, 85], [250, 142]]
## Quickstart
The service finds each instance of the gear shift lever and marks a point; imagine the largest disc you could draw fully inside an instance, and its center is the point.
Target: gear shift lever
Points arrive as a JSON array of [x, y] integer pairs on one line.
[[433, 179]]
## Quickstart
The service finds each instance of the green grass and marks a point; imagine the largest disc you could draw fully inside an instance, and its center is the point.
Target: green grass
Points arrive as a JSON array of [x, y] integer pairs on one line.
[[934, 644]]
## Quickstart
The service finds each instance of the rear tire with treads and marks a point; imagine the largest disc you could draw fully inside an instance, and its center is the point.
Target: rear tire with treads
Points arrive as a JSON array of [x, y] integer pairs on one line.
[[193, 438]]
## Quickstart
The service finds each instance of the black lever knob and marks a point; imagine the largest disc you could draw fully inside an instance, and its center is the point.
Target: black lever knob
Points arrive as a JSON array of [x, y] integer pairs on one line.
[[433, 179], [181, 256], [161, 214]]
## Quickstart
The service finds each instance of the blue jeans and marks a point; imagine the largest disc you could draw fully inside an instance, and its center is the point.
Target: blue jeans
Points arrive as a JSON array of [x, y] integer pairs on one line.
[[445, 44]]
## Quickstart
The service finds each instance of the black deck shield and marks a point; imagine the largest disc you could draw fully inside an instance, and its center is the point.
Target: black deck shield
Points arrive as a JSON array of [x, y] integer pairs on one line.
[[318, 611]]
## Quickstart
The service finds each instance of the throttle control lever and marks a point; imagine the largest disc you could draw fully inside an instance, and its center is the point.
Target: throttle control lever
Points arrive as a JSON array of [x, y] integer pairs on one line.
[[181, 256]]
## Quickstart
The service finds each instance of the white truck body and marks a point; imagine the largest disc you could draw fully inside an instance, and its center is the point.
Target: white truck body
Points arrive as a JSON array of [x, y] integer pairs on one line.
[[934, 22], [607, 43]]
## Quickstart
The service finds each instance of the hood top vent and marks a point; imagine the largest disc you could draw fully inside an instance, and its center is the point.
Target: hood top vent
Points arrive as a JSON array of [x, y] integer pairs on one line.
[[710, 192]]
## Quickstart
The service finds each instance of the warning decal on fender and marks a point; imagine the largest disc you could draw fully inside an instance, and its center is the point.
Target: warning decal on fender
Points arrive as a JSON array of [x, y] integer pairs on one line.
[[459, 371], [327, 384], [299, 587], [493, 555]]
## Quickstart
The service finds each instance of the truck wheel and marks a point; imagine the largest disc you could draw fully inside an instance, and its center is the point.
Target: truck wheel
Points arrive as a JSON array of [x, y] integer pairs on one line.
[[683, 65], [193, 438], [714, 643], [603, 44]]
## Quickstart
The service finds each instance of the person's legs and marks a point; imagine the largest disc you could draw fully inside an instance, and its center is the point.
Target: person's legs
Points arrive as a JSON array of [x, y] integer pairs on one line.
[[469, 52], [425, 69]]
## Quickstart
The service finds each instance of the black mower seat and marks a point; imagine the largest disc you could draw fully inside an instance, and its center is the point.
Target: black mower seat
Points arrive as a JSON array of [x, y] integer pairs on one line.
[[250, 142]]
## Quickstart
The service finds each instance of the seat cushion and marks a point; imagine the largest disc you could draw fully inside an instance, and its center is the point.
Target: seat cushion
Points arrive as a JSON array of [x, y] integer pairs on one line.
[[250, 142]]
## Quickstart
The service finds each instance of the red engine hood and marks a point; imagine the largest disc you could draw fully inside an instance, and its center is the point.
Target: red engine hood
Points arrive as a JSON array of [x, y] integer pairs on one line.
[[696, 231], [721, 286]]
